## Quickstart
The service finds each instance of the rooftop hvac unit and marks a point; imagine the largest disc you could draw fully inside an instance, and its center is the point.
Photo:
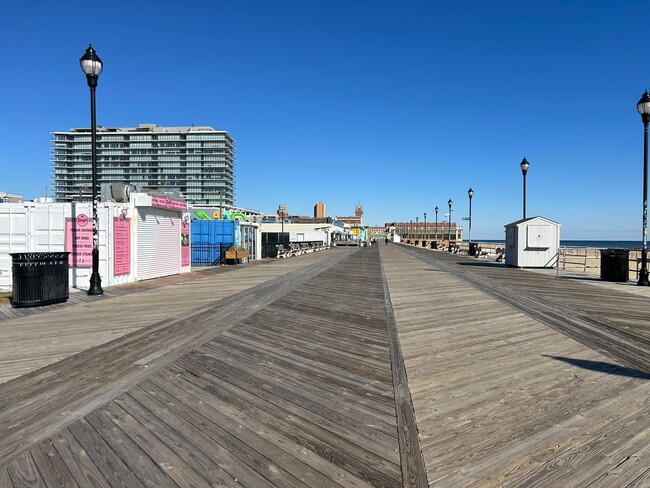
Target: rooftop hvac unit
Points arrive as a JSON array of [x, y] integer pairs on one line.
[[116, 191]]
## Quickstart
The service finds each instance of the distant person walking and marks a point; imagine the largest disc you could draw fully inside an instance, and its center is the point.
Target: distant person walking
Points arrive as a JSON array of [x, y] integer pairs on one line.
[[386, 240]]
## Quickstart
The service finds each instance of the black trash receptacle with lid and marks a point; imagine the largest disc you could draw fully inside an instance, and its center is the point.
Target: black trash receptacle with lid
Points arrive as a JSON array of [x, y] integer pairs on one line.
[[615, 265], [39, 278], [473, 249]]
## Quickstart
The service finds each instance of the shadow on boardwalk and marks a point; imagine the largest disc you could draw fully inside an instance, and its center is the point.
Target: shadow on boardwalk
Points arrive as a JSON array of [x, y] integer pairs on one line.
[[603, 367]]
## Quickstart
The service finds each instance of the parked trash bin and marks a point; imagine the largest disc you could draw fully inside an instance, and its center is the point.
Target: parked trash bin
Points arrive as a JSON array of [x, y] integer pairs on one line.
[[615, 265], [473, 247], [39, 278], [434, 244]]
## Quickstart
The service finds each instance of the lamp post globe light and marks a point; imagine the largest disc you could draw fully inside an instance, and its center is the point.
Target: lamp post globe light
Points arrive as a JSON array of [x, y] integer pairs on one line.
[[92, 67], [417, 230], [449, 239], [643, 106], [524, 169], [470, 194], [426, 233], [436, 236]]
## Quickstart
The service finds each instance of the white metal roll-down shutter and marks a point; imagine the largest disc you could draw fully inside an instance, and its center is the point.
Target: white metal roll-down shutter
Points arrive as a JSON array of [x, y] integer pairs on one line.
[[159, 237]]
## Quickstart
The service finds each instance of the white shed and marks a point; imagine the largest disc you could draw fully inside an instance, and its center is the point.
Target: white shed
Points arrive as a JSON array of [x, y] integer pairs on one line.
[[532, 243]]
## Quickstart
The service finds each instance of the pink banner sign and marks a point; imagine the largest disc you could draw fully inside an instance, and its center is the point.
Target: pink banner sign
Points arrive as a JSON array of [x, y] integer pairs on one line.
[[79, 241], [121, 246], [168, 202], [185, 243]]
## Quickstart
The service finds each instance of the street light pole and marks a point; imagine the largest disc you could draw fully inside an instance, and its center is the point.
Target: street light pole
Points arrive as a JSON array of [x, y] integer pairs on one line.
[[470, 194], [436, 236], [643, 106], [411, 232], [449, 203], [417, 230], [92, 67], [222, 250], [524, 169], [426, 234]]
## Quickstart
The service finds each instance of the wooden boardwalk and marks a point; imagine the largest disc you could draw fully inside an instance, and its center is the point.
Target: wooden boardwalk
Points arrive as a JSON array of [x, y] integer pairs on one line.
[[503, 396], [386, 366]]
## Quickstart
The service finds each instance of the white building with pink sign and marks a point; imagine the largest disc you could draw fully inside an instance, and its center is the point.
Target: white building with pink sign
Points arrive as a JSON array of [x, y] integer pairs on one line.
[[144, 238]]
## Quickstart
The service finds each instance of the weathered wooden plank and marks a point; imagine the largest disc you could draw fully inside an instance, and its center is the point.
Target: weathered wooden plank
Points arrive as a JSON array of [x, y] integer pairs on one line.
[[355, 438], [109, 464], [327, 392], [192, 443], [243, 443], [368, 366], [591, 454], [77, 461], [153, 462], [5, 480], [277, 443], [51, 467], [377, 391], [310, 429], [23, 472]]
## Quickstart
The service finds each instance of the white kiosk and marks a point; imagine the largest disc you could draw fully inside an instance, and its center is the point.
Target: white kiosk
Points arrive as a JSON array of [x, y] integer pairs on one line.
[[532, 243]]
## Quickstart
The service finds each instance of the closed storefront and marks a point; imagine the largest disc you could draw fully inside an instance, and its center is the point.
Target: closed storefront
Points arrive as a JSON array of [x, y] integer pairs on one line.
[[159, 237]]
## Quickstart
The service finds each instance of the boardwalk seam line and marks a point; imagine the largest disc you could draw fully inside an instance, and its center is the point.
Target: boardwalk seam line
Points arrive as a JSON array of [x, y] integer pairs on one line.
[[412, 462]]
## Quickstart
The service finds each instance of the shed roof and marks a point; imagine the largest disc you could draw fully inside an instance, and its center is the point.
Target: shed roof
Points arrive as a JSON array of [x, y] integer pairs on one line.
[[528, 219]]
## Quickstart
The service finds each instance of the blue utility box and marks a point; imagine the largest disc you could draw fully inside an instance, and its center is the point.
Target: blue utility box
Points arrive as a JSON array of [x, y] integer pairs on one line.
[[210, 239]]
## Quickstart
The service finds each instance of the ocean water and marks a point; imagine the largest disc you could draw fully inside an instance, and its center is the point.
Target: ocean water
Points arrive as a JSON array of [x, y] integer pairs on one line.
[[603, 244], [578, 243]]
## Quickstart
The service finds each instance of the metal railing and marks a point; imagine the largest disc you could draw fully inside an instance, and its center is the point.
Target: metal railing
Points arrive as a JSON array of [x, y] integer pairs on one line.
[[588, 260]]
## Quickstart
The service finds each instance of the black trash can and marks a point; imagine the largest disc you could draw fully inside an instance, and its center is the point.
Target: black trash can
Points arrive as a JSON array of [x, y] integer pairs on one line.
[[473, 248], [615, 265], [434, 244], [39, 278]]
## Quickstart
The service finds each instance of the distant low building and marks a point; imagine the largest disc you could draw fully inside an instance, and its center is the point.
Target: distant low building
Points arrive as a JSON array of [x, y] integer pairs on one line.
[[356, 220], [301, 219], [417, 231], [10, 197], [377, 233]]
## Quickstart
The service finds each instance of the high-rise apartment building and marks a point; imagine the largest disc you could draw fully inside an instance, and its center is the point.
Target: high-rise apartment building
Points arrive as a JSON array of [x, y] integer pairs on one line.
[[320, 211], [198, 161]]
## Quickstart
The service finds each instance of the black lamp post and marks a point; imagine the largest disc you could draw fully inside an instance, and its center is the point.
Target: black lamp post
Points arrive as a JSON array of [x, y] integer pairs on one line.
[[425, 236], [92, 66], [644, 109], [411, 231], [449, 203], [470, 194], [416, 230], [436, 236], [524, 169]]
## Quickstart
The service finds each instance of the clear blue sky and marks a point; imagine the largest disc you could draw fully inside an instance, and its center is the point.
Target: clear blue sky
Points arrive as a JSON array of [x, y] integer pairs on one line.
[[398, 106]]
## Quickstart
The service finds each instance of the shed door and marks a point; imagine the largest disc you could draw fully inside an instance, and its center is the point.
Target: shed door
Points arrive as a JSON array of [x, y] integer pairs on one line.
[[538, 236], [159, 243]]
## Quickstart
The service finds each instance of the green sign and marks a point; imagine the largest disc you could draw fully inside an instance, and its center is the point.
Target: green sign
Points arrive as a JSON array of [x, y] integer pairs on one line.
[[465, 218]]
